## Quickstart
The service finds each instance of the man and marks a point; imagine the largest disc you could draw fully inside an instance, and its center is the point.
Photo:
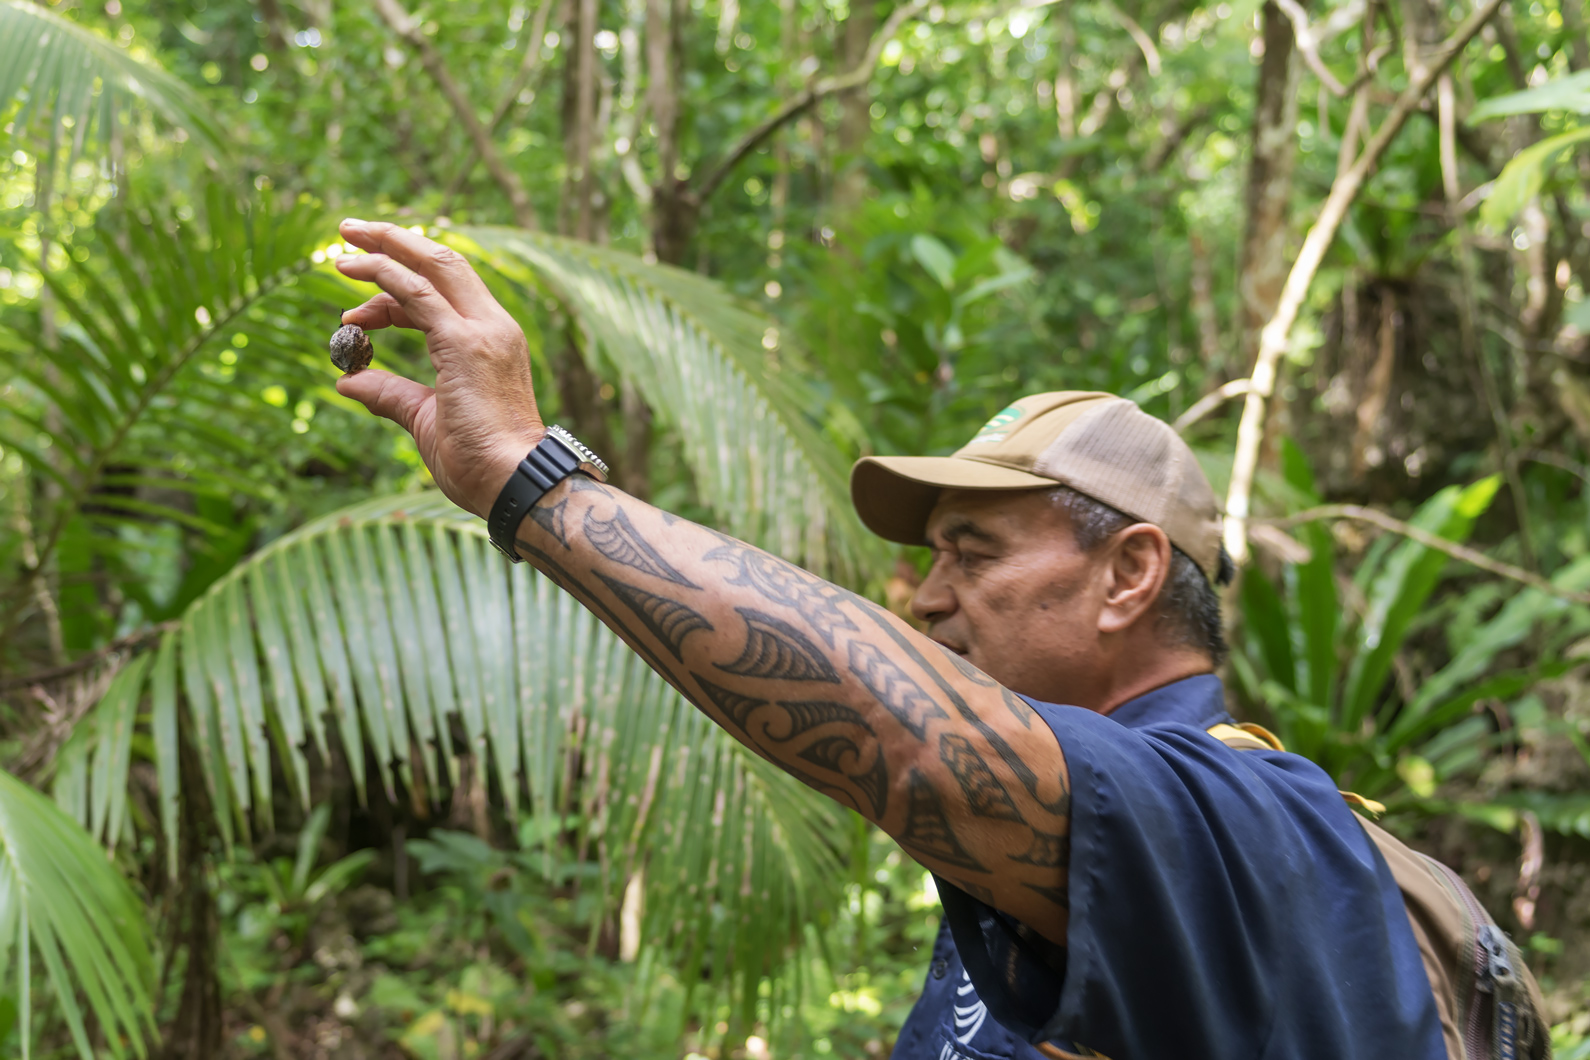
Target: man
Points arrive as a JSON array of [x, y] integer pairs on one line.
[[1114, 878]]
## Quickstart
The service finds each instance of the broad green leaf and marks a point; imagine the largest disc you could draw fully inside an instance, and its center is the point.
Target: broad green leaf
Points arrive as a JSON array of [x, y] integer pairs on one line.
[[738, 855], [1405, 581], [59, 893], [1519, 617], [163, 730], [1570, 93], [721, 376], [935, 257], [1522, 178], [63, 69], [1314, 586], [1265, 620], [134, 392]]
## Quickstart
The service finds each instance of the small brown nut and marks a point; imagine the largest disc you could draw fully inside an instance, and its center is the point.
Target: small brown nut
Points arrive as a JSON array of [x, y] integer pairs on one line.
[[350, 348]]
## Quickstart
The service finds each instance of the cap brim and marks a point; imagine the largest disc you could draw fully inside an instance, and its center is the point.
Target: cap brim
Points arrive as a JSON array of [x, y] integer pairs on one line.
[[895, 494]]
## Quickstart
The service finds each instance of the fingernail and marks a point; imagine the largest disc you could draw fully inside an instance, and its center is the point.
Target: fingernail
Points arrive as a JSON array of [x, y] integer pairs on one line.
[[354, 222]]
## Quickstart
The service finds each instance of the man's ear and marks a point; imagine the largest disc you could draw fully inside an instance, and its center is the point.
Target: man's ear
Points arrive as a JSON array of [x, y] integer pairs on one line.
[[1137, 562]]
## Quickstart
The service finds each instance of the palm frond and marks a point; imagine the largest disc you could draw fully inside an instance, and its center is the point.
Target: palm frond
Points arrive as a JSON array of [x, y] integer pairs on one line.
[[60, 69], [713, 370], [62, 899], [156, 382], [385, 620]]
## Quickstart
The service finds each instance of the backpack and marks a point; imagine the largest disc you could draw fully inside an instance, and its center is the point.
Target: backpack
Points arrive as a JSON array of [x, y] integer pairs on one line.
[[1489, 1003]]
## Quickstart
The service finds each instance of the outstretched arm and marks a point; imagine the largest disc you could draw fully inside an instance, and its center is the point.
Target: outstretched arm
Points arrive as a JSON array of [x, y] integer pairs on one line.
[[826, 685]]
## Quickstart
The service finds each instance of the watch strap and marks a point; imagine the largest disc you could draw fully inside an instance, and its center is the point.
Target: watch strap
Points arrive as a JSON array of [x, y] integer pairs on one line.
[[550, 462]]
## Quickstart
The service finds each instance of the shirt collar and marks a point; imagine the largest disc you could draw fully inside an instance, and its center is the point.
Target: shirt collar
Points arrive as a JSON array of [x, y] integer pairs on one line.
[[1196, 701]]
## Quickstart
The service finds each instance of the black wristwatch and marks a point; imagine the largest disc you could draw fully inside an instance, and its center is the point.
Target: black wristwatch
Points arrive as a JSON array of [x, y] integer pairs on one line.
[[554, 459]]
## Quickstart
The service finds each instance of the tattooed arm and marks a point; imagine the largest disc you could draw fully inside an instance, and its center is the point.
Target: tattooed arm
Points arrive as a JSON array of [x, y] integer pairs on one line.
[[827, 686], [822, 683]]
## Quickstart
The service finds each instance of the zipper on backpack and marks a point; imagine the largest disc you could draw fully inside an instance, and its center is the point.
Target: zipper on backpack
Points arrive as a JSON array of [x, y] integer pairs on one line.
[[1473, 1033], [1501, 980]]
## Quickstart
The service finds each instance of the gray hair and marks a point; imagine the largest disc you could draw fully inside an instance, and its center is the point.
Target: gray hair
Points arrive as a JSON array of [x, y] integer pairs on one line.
[[1189, 607]]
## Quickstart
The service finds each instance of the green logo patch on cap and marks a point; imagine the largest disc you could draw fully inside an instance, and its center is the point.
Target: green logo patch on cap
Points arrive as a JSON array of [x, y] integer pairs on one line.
[[994, 429]]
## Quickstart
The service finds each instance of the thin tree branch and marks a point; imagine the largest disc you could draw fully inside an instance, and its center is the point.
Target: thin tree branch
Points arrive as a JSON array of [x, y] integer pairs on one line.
[[1468, 339], [1308, 42], [803, 100], [528, 66], [1276, 334], [88, 661], [408, 28], [1413, 533], [1175, 136], [1209, 402], [1144, 42], [1557, 460]]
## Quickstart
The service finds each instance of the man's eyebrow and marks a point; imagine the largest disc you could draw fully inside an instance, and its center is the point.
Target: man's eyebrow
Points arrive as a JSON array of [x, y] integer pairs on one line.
[[957, 527]]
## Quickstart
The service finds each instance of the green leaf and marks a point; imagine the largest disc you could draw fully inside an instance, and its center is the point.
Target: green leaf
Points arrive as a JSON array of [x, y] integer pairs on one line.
[[1314, 586], [309, 838], [746, 417], [935, 257], [59, 893], [1265, 620], [738, 855], [1399, 590], [1571, 93], [1522, 178], [66, 70], [1517, 619], [163, 730], [134, 383]]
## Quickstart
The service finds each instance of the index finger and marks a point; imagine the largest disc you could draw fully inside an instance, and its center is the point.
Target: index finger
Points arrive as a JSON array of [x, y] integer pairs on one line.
[[448, 271]]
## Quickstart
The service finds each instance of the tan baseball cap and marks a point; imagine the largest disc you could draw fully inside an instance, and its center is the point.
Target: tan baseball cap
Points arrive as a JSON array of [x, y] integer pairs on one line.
[[1097, 444]]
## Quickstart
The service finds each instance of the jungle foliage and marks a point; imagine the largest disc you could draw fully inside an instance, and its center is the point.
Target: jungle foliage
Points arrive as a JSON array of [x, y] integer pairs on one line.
[[293, 764]]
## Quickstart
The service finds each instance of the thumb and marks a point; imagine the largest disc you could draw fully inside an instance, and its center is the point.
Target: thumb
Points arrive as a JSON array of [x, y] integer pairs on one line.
[[387, 395]]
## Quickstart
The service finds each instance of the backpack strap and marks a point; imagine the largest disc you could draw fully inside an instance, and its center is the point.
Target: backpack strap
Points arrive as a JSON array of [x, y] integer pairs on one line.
[[1246, 737], [1250, 737]]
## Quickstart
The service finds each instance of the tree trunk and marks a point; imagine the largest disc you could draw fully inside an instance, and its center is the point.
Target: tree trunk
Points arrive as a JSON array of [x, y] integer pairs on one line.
[[674, 210], [855, 109], [579, 118], [584, 407], [1263, 262], [195, 1033]]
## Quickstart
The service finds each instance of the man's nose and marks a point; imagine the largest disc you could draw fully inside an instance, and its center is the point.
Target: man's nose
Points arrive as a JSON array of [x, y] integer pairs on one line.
[[933, 600]]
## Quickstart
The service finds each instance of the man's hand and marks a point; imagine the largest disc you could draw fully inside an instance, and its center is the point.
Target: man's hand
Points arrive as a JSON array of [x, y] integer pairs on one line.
[[480, 420]]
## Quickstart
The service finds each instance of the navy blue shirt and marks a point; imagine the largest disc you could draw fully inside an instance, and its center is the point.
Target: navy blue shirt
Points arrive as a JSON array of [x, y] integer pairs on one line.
[[1223, 904]]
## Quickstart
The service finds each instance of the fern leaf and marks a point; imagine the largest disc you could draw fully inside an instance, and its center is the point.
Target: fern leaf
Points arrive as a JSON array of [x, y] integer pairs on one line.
[[713, 370], [59, 895], [413, 615], [64, 70]]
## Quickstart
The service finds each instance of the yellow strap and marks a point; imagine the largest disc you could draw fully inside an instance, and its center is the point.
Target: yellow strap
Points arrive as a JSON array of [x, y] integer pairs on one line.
[[1247, 731], [1368, 807], [1242, 733], [1052, 1050]]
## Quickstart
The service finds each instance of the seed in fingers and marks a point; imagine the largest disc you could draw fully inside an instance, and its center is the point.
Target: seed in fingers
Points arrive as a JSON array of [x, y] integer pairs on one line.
[[350, 348]]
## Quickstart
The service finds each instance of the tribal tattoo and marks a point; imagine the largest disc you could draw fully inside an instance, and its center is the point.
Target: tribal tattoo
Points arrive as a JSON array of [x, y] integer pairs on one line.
[[1048, 849], [549, 517], [784, 583], [669, 620], [927, 832], [776, 650], [985, 795], [617, 539], [829, 687], [893, 687]]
